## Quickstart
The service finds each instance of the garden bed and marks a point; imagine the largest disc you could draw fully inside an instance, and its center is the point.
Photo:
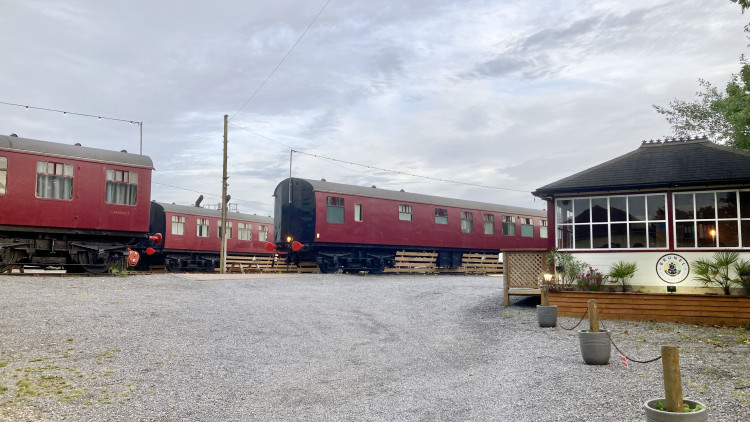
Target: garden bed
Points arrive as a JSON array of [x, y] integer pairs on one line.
[[730, 311]]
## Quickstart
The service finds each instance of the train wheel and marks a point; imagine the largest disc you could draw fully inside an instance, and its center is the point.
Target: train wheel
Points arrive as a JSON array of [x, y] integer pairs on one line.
[[173, 265], [327, 265], [8, 258], [377, 267], [93, 264]]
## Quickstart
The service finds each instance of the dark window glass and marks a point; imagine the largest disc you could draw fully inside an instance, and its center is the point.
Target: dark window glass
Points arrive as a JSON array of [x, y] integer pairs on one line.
[[728, 235], [618, 208], [657, 235], [637, 235], [583, 237], [599, 210], [636, 208], [564, 211], [619, 235], [600, 236], [655, 207], [582, 208], [706, 234], [745, 206], [685, 233], [745, 233], [704, 205], [565, 237], [683, 206], [726, 204]]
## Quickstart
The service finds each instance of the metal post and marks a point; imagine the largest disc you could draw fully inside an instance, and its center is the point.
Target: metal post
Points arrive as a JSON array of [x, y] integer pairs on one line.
[[223, 259], [291, 152], [141, 126]]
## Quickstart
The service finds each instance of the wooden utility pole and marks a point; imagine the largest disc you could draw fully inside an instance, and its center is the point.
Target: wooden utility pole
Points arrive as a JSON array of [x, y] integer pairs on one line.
[[223, 260], [593, 316], [670, 360]]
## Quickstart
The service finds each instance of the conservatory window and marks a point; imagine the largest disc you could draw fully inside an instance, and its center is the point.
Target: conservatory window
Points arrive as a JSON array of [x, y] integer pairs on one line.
[[714, 219], [614, 222]]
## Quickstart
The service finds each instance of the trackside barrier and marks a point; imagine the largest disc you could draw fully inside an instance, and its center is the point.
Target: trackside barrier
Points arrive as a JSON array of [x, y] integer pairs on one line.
[[598, 322]]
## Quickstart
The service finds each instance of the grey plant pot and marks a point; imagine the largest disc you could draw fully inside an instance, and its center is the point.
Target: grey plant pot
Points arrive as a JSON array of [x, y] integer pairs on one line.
[[595, 347], [655, 415], [546, 315]]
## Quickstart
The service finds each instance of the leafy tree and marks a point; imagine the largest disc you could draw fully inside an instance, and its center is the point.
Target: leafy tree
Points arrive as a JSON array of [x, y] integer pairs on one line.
[[722, 116]]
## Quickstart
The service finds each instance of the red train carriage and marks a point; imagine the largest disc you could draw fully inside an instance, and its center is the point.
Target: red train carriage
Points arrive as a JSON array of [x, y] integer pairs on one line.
[[357, 228], [70, 205], [192, 236]]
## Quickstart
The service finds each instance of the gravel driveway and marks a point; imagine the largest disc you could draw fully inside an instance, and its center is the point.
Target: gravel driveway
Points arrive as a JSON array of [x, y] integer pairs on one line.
[[331, 348]]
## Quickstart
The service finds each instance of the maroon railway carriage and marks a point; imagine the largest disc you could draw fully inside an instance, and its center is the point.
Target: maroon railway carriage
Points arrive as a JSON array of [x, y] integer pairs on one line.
[[357, 228], [70, 205], [192, 236]]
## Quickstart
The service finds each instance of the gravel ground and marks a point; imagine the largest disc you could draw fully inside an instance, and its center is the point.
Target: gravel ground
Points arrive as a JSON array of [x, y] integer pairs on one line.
[[331, 348]]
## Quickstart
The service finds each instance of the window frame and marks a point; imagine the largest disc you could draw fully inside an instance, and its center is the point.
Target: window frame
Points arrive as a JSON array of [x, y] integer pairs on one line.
[[203, 223], [244, 231], [130, 188], [509, 225], [405, 212], [335, 203], [53, 177], [441, 215], [358, 214], [743, 236], [488, 219], [543, 229], [3, 175], [467, 222], [568, 222], [179, 223], [229, 229], [263, 233], [526, 222]]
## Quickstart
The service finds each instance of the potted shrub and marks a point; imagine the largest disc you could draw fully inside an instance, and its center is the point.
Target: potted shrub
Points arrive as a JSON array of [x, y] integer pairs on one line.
[[567, 269], [621, 272], [693, 412]]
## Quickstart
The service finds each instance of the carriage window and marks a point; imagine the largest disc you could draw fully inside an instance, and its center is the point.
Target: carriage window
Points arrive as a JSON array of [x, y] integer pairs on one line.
[[178, 225], [509, 225], [263, 233], [122, 187], [244, 231], [489, 224], [357, 212], [441, 216], [202, 227], [3, 174], [543, 229], [335, 209], [54, 180], [405, 212], [467, 222], [527, 227], [229, 229]]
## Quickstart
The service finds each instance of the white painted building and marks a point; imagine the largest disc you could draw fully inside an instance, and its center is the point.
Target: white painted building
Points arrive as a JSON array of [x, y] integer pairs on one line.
[[662, 206]]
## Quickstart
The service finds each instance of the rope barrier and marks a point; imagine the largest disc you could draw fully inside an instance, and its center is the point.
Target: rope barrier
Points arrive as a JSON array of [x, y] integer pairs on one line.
[[623, 354], [579, 322]]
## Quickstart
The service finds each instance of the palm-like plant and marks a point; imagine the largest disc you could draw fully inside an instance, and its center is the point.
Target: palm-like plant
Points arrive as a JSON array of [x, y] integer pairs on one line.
[[717, 270], [621, 272]]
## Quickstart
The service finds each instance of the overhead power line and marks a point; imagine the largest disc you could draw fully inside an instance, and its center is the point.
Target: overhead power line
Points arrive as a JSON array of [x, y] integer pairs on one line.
[[371, 167], [262, 84], [27, 107], [210, 194]]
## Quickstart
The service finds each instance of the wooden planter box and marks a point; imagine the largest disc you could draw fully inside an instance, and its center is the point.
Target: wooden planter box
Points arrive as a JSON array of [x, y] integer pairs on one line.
[[730, 311]]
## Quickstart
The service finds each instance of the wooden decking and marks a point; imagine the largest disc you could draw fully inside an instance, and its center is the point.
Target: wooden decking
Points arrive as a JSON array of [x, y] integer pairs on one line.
[[732, 311], [426, 263], [266, 264]]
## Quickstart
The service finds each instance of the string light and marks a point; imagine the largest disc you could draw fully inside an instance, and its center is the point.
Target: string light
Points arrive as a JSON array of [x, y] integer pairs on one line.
[[65, 113]]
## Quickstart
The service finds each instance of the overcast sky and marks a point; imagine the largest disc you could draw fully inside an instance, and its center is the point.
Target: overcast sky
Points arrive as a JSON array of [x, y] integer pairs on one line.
[[503, 93]]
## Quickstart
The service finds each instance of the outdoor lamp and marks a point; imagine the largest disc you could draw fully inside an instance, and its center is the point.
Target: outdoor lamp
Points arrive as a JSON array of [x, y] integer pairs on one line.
[[547, 277]]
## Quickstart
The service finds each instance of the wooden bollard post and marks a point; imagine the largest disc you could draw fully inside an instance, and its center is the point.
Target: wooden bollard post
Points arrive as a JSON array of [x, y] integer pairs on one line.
[[593, 317], [670, 360], [545, 295]]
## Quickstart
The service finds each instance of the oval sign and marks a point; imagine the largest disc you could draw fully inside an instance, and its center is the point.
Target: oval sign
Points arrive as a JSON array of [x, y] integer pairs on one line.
[[672, 268]]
